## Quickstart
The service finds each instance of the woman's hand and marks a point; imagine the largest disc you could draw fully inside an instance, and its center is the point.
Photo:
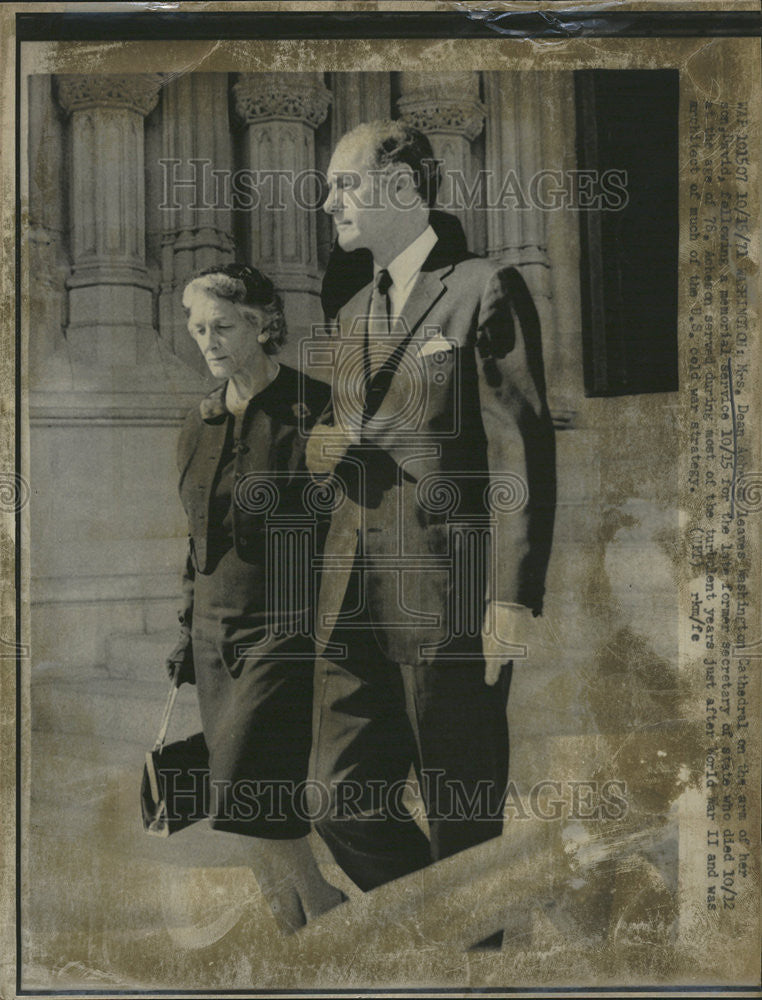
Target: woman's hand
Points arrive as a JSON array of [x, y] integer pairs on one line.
[[325, 449], [179, 663]]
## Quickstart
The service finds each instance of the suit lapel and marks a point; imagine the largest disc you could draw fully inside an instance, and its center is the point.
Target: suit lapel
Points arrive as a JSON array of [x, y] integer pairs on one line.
[[427, 289], [203, 463], [430, 286], [207, 457]]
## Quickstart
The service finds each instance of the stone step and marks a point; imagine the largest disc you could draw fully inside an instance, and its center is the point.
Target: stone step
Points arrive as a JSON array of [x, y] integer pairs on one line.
[[83, 749], [86, 789], [144, 928], [112, 819], [110, 708], [140, 656], [91, 870], [74, 790], [87, 792], [72, 771], [89, 884]]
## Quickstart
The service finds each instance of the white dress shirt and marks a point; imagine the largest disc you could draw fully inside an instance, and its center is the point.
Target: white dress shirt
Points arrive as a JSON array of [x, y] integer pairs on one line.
[[405, 268]]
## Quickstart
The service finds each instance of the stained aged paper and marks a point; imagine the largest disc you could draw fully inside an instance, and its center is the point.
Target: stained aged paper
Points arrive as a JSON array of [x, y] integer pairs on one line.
[[620, 177]]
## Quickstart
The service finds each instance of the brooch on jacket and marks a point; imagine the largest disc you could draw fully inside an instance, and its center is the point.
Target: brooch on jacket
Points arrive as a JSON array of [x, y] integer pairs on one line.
[[212, 406], [300, 410]]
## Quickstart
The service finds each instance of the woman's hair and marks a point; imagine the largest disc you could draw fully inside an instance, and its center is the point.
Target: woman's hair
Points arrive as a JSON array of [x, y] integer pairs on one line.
[[250, 290]]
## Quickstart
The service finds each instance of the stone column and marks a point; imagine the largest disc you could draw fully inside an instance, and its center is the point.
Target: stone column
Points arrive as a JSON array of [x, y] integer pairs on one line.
[[447, 108], [281, 112], [564, 353], [48, 265], [514, 153], [110, 293], [194, 215], [530, 129], [358, 97]]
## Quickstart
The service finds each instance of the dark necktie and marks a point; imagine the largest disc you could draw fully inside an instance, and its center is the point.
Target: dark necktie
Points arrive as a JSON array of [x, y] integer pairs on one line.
[[380, 309]]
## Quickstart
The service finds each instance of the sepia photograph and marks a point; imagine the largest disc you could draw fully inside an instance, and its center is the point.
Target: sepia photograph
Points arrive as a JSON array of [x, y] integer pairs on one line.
[[385, 506]]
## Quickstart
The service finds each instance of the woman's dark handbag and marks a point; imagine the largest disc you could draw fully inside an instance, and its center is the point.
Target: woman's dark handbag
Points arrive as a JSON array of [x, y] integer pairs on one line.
[[175, 789]]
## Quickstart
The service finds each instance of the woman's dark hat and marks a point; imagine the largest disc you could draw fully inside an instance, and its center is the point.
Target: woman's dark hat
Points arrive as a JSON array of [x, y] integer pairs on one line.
[[259, 289]]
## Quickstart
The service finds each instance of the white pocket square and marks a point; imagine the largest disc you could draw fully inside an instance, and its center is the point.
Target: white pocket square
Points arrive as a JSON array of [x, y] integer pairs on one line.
[[434, 345]]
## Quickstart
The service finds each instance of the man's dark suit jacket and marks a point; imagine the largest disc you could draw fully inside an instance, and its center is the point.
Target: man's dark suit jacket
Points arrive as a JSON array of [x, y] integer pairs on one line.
[[456, 444]]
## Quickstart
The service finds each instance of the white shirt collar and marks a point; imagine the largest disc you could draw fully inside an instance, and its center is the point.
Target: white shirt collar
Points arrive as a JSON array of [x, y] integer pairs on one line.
[[405, 267]]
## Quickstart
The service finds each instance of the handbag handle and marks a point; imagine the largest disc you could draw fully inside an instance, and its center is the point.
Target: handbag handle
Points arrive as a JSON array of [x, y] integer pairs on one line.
[[170, 704]]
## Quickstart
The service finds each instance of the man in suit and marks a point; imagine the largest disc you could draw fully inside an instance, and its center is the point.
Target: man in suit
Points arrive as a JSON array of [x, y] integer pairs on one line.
[[441, 444]]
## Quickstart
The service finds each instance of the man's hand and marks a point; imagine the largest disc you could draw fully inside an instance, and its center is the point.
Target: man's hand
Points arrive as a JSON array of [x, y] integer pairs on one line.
[[179, 663], [325, 447], [505, 636]]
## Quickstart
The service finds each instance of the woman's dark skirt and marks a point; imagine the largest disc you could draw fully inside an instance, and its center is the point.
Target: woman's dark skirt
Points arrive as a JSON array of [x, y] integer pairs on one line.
[[254, 688]]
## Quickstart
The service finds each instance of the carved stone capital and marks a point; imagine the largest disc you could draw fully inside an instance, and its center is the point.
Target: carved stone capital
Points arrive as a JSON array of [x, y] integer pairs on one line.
[[436, 113], [302, 97], [443, 102], [137, 91]]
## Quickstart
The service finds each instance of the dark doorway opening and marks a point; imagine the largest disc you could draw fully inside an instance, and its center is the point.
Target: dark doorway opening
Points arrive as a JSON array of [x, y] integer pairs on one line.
[[628, 121]]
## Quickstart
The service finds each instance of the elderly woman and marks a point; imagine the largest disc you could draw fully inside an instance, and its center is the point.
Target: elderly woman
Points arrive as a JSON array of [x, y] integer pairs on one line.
[[245, 643]]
